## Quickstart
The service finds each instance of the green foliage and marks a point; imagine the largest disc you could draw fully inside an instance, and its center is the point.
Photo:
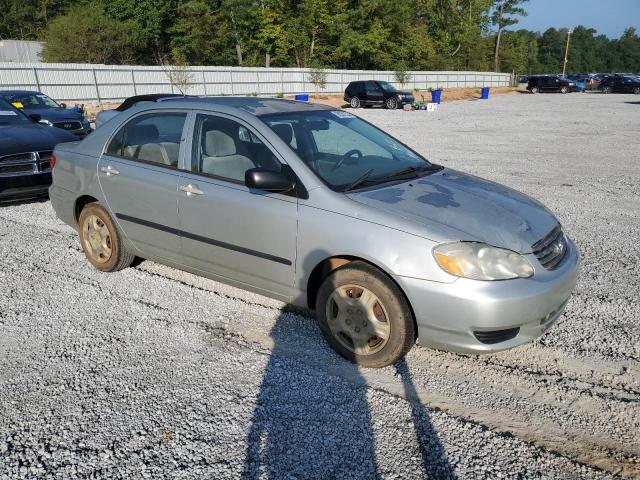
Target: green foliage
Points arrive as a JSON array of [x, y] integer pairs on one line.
[[364, 34], [318, 77], [402, 77], [86, 34]]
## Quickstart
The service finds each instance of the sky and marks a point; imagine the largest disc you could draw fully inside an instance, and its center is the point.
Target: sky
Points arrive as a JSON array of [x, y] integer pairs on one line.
[[609, 17]]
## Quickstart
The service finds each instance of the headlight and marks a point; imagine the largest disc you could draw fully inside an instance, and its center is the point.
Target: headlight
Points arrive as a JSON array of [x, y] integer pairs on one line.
[[46, 122], [479, 261]]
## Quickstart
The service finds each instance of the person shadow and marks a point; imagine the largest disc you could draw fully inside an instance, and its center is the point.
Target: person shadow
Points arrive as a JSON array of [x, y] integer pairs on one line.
[[312, 420]]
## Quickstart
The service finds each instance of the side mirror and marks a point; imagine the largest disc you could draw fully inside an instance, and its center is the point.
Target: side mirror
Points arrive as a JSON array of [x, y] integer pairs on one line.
[[267, 180], [35, 117], [63, 105]]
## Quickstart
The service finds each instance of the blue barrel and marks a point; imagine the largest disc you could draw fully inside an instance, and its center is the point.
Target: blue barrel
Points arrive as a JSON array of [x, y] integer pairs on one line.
[[485, 93], [435, 96], [302, 97]]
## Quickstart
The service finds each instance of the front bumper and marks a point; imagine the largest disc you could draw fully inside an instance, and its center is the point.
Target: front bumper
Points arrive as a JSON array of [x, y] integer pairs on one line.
[[13, 187], [452, 316]]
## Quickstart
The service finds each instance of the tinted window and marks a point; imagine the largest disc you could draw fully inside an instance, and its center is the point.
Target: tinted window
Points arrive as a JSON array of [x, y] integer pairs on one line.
[[224, 148], [31, 100], [372, 87], [153, 138]]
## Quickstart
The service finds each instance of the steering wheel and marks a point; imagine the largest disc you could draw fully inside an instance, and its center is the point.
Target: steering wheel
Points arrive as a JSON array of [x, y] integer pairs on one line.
[[349, 154]]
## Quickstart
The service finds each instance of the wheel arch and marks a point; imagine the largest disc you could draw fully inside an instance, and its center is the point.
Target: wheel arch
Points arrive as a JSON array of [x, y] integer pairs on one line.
[[80, 203], [324, 268]]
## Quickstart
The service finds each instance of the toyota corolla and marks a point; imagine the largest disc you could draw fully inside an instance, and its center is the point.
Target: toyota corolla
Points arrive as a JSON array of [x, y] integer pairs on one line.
[[315, 206]]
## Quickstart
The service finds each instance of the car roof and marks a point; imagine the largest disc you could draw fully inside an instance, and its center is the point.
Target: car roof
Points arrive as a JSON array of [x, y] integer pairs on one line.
[[253, 105], [20, 92]]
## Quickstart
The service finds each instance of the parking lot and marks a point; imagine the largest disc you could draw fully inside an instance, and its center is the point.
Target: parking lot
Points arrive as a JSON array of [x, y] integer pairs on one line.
[[155, 373]]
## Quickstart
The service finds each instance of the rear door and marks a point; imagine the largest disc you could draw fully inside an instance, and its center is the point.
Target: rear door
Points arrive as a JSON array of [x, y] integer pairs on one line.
[[246, 237], [374, 93], [138, 174]]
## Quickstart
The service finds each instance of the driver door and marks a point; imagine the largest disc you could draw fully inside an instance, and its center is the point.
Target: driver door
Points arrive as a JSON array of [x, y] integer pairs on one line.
[[374, 93]]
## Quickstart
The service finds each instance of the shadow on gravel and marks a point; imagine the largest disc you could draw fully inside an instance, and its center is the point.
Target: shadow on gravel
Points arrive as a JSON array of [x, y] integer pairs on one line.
[[434, 457], [315, 423], [308, 424], [10, 202], [633, 103]]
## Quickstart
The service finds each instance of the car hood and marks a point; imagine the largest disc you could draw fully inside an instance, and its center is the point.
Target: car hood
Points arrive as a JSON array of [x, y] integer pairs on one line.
[[472, 209], [31, 137], [54, 114]]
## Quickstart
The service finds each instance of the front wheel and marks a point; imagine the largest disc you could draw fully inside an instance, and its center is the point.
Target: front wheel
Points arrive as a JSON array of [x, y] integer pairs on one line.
[[364, 316], [391, 103], [534, 90], [606, 89], [636, 91], [564, 90], [354, 102], [101, 240]]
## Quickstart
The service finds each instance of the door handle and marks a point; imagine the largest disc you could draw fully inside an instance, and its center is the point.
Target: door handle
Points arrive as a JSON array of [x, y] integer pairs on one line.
[[109, 170], [190, 190]]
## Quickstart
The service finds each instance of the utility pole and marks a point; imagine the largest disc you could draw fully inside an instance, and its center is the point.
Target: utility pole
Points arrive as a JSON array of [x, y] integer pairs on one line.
[[566, 52]]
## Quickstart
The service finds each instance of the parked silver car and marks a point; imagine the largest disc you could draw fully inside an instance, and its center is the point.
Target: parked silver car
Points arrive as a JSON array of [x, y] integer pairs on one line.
[[314, 206]]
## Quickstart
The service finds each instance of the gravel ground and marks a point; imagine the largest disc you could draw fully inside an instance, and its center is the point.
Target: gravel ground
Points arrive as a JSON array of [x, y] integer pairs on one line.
[[155, 373]]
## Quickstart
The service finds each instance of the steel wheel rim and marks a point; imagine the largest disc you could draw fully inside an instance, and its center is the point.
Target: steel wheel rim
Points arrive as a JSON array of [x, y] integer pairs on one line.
[[391, 103], [355, 103], [97, 239], [358, 320]]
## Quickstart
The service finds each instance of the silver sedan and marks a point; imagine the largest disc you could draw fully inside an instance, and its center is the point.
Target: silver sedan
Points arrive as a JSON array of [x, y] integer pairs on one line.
[[314, 206]]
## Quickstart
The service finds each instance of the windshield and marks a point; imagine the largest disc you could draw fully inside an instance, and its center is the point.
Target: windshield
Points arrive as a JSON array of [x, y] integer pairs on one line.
[[342, 149], [31, 100], [387, 87], [11, 116]]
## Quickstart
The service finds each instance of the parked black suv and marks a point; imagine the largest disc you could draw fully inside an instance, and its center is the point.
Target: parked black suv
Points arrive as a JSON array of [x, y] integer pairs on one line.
[[375, 92], [621, 84], [551, 83]]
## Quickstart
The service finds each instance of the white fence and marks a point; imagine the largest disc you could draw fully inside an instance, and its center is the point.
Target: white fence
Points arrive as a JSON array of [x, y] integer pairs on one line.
[[100, 83]]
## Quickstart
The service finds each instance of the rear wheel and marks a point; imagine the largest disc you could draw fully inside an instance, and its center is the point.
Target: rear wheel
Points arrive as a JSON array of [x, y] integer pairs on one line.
[[101, 240], [606, 89], [534, 90], [364, 316], [391, 103], [354, 102]]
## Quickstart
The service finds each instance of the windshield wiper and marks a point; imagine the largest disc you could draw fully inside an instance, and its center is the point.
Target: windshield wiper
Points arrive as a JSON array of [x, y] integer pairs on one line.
[[410, 172], [358, 181]]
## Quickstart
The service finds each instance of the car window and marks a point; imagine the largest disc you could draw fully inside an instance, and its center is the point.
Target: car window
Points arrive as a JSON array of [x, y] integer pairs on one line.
[[226, 149], [153, 138], [372, 87], [29, 100], [340, 148]]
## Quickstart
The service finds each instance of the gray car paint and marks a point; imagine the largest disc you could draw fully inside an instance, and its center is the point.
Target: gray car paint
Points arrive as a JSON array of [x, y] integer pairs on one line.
[[393, 227]]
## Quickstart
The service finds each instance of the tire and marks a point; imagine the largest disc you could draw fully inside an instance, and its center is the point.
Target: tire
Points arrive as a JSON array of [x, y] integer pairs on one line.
[[564, 90], [391, 103], [636, 91], [101, 241], [606, 89], [354, 102], [357, 332], [534, 90]]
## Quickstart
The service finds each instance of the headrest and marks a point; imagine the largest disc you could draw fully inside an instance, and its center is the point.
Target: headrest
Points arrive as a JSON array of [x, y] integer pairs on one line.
[[141, 134], [284, 131], [219, 144]]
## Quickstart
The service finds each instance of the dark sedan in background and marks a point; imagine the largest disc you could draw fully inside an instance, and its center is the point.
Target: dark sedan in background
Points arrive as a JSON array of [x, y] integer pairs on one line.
[[26, 153], [52, 113], [621, 83]]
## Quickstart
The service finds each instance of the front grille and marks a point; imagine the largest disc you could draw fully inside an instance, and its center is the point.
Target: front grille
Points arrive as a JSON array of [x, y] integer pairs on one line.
[[551, 249], [68, 125], [26, 163], [497, 336]]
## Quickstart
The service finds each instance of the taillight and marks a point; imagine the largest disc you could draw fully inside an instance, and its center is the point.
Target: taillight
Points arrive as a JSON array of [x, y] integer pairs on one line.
[[52, 161]]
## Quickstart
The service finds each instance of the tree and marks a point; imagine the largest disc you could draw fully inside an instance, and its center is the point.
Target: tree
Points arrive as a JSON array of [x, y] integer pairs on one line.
[[318, 77], [87, 35], [402, 77], [502, 8]]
